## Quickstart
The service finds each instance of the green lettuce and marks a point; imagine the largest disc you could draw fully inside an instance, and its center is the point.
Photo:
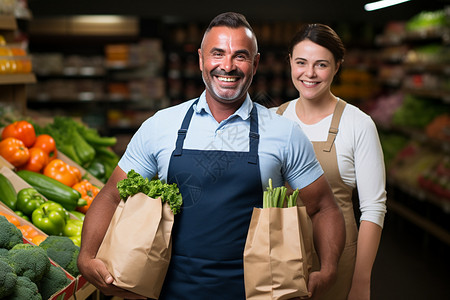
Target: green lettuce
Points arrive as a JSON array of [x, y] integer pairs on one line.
[[135, 183]]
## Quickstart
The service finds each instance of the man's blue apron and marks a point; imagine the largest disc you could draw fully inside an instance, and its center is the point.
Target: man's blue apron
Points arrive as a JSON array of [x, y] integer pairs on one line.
[[219, 189]]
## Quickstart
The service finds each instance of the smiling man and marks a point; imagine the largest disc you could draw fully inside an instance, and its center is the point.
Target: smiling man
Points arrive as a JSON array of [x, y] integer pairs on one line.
[[221, 149]]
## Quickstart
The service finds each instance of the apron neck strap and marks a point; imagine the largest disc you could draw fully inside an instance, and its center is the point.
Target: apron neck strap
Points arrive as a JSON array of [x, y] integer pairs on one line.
[[253, 134], [334, 127]]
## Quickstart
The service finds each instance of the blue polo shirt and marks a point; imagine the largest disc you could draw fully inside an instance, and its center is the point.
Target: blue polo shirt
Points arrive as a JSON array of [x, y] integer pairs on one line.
[[285, 153]]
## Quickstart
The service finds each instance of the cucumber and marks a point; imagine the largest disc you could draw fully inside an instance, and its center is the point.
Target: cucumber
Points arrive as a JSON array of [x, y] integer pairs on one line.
[[8, 194], [52, 189]]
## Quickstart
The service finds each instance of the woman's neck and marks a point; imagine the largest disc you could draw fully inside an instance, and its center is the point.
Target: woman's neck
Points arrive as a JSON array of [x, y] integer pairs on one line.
[[313, 111]]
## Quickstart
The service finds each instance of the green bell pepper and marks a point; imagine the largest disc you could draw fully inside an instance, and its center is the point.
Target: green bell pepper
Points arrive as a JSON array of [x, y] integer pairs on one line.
[[78, 214], [50, 217], [76, 240], [22, 215], [28, 199], [97, 169], [73, 228]]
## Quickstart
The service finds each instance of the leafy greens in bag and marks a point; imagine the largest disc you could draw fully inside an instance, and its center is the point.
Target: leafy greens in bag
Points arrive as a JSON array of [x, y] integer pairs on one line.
[[135, 183]]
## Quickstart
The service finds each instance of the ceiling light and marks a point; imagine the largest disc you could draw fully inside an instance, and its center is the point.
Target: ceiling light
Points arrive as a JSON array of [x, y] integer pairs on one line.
[[382, 4]]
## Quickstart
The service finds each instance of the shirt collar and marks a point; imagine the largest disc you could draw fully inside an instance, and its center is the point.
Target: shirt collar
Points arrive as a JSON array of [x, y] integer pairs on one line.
[[243, 112]]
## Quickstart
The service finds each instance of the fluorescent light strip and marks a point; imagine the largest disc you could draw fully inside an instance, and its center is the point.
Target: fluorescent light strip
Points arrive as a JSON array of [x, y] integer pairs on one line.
[[382, 4]]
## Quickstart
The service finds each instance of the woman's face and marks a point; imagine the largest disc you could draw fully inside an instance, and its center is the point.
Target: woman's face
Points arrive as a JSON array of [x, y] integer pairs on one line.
[[312, 69]]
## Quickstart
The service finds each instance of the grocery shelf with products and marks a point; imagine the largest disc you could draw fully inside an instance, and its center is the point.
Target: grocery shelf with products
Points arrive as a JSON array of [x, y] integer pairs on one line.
[[413, 116], [15, 66]]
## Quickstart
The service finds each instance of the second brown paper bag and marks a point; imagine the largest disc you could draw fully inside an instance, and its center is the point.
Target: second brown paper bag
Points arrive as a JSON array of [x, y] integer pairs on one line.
[[278, 254], [137, 245]]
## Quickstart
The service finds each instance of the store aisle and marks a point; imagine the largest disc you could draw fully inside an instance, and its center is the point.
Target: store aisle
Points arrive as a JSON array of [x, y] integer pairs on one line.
[[410, 264]]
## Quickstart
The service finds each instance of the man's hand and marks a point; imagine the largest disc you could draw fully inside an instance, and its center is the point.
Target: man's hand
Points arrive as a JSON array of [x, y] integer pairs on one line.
[[95, 272], [318, 283]]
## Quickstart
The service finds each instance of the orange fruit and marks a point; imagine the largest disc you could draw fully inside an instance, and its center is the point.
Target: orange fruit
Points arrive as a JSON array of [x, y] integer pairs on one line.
[[38, 239], [28, 231], [12, 219]]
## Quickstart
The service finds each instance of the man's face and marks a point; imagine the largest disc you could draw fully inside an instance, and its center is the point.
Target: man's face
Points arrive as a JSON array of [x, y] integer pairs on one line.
[[228, 61]]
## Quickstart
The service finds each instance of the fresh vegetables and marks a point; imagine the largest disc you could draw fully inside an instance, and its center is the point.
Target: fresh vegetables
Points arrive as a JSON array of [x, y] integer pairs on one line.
[[26, 271], [135, 183], [47, 144], [61, 171], [28, 199], [21, 130], [14, 151], [8, 279], [52, 281], [63, 251], [29, 261], [53, 189], [11, 218], [83, 145], [50, 217], [25, 289], [78, 214], [37, 160], [7, 192], [88, 192], [10, 235], [276, 197]]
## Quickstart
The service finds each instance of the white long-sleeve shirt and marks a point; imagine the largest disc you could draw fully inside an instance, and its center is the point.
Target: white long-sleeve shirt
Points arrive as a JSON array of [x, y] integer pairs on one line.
[[359, 155]]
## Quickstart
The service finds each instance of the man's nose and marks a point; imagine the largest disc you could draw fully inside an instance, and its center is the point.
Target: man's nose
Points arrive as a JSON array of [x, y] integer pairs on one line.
[[228, 64]]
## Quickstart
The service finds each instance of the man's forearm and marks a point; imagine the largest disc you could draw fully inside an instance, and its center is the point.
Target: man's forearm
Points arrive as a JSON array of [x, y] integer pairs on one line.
[[99, 216], [329, 238]]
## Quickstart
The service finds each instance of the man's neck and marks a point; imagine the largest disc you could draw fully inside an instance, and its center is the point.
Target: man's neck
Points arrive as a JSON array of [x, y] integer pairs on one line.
[[222, 111]]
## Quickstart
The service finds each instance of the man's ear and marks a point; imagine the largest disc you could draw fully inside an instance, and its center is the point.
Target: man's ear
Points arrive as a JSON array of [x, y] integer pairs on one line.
[[200, 61], [256, 63]]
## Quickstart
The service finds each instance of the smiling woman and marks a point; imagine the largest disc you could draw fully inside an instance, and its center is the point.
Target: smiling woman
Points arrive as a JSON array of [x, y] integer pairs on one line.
[[347, 146]]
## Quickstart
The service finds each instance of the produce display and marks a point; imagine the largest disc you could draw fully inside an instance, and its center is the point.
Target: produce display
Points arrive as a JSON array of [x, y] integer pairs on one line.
[[45, 218], [25, 269], [83, 145]]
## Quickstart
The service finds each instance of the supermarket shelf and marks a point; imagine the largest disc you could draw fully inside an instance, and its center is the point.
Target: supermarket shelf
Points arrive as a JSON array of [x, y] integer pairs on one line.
[[17, 78], [8, 22]]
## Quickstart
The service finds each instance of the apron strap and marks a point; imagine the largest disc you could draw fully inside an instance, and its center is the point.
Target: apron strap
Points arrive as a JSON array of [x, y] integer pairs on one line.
[[183, 130], [281, 109], [253, 136], [334, 127]]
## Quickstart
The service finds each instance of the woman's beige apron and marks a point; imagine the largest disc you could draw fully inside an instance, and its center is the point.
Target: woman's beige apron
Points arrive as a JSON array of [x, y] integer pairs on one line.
[[326, 154]]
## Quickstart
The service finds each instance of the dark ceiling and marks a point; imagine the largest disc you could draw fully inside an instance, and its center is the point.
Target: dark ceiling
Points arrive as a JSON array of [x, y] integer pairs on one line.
[[325, 11]]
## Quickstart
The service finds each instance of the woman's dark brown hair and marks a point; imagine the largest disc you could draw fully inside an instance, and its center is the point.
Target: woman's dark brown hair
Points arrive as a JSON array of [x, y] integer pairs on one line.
[[322, 35]]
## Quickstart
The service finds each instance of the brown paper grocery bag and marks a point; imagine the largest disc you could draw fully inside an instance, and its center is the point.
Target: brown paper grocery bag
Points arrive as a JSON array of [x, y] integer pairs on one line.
[[137, 245], [278, 254]]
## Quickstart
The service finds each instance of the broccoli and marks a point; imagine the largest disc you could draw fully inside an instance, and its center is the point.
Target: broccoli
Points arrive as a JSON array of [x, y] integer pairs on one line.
[[3, 252], [29, 261], [54, 280], [63, 251], [25, 289], [8, 279], [10, 235]]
